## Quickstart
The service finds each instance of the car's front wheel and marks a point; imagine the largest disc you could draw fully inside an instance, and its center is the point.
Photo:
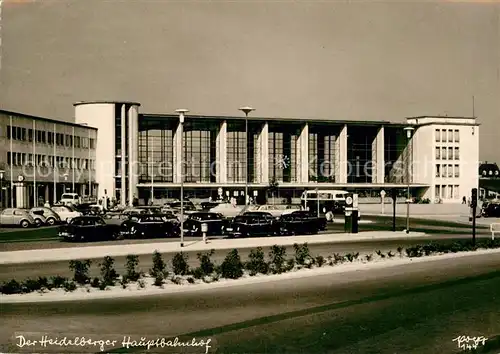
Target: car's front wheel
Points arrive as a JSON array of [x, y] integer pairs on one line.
[[51, 221], [25, 224], [38, 223]]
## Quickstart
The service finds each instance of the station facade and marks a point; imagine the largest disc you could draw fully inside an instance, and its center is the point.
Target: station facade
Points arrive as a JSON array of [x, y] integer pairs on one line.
[[113, 150]]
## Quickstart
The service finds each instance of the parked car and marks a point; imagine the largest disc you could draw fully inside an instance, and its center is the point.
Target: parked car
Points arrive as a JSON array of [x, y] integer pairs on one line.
[[278, 209], [149, 226], [38, 217], [205, 206], [492, 210], [227, 209], [70, 199], [88, 228], [253, 224], [301, 222], [51, 217], [216, 223], [66, 212], [16, 217]]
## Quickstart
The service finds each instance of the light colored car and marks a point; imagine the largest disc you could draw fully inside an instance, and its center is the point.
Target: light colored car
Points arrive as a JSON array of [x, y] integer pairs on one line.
[[51, 218], [279, 209], [227, 209], [70, 199], [65, 212], [16, 217]]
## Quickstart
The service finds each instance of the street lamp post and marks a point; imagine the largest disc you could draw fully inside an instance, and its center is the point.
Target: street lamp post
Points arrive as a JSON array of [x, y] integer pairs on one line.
[[1, 188], [181, 113], [246, 110], [409, 132]]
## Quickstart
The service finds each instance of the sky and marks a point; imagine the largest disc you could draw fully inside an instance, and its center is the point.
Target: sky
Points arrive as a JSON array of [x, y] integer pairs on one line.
[[357, 60]]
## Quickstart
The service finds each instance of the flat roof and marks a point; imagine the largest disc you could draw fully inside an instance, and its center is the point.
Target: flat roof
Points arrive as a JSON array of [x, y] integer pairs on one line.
[[106, 102], [48, 120], [278, 119], [439, 116]]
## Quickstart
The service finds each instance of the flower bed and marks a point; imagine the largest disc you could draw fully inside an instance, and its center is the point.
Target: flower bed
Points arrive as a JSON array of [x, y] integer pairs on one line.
[[178, 272]]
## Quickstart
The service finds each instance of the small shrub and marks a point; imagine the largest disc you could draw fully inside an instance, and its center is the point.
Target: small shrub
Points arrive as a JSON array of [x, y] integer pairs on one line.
[[337, 258], [159, 267], [350, 257], [302, 253], [69, 286], [180, 265], [141, 284], [206, 264], [159, 279], [320, 261], [216, 276], [232, 267], [400, 251], [380, 254], [44, 283], [95, 283], [369, 257], [108, 272], [256, 263], [12, 287], [57, 281], [290, 265], [190, 280], [81, 271], [102, 286], [278, 256], [198, 273], [390, 254], [124, 283], [330, 261], [30, 285], [177, 280], [132, 274]]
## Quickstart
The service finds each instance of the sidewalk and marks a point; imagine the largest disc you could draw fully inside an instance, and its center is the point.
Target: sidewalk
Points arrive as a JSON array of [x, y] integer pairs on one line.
[[66, 254]]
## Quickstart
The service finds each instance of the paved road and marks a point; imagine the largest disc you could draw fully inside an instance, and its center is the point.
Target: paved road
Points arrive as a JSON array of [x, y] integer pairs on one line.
[[34, 270], [46, 238], [415, 308]]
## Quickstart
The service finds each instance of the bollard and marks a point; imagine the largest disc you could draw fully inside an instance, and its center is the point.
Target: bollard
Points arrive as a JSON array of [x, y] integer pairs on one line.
[[204, 230]]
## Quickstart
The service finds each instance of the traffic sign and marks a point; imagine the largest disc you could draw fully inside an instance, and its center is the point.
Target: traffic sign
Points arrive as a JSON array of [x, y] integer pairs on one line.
[[348, 200]]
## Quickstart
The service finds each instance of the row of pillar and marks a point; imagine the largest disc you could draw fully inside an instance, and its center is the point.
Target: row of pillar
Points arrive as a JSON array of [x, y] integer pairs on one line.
[[262, 155]]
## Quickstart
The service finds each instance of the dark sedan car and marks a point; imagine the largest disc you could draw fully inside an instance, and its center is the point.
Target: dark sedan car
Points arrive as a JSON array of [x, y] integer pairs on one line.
[[149, 226], [216, 223], [88, 228], [301, 222], [253, 224], [492, 210]]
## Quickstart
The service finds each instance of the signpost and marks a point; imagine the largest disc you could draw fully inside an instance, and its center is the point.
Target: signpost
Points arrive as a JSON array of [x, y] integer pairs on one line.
[[474, 207]]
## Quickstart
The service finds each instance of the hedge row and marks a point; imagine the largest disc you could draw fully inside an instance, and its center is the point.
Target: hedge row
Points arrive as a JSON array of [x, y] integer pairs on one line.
[[232, 267]]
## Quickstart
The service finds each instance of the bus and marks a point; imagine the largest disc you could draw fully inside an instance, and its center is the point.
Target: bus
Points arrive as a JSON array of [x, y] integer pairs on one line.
[[329, 200]]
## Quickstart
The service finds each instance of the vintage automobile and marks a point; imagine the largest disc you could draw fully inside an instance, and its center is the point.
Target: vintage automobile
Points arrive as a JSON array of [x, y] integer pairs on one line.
[[149, 226], [227, 209], [66, 212], [301, 222], [88, 228], [278, 209], [38, 217], [16, 217], [51, 218], [216, 223], [253, 224], [492, 210]]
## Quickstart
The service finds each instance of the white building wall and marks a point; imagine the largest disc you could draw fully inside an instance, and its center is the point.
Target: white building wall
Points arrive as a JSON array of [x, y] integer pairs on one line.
[[133, 152], [102, 117], [422, 159]]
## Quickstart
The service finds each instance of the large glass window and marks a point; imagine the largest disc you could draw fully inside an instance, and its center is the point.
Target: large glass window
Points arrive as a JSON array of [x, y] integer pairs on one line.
[[438, 135], [450, 153], [236, 153], [450, 136], [359, 154], [156, 155], [438, 153], [395, 142], [197, 156], [457, 135], [457, 153], [322, 154], [283, 146]]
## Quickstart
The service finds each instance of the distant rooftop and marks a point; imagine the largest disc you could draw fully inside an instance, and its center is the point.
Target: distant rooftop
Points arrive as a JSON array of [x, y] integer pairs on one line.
[[106, 102]]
